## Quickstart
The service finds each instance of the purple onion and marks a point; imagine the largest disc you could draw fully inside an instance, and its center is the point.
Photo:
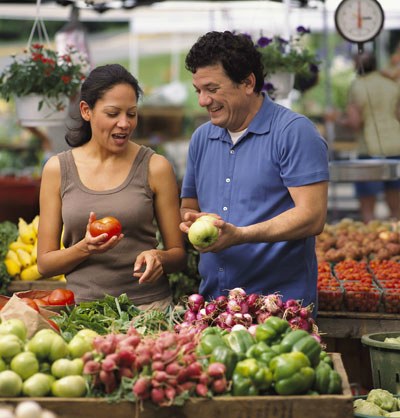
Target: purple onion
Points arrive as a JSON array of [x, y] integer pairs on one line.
[[195, 302]]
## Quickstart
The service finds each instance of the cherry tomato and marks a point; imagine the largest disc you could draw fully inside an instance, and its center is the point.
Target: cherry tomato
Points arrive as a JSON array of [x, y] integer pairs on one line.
[[108, 225], [61, 297], [30, 302]]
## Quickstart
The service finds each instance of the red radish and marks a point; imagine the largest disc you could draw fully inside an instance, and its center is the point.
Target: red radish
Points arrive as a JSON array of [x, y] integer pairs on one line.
[[216, 369]]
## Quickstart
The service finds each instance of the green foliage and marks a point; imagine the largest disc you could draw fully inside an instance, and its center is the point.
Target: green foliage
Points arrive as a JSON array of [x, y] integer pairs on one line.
[[42, 71], [8, 234]]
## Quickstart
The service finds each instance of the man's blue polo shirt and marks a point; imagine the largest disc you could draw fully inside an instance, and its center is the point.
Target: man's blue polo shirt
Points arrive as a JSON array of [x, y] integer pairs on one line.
[[246, 184]]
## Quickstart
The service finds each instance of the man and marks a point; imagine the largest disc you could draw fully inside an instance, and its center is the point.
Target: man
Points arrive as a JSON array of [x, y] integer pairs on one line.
[[261, 168]]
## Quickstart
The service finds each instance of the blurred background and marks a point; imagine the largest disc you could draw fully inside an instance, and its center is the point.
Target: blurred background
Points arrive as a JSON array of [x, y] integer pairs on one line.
[[151, 38]]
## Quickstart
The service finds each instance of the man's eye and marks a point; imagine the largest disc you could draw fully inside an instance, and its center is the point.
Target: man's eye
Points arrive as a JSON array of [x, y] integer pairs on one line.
[[213, 90]]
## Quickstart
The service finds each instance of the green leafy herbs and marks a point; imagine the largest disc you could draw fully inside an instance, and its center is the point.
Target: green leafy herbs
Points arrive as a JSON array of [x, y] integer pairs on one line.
[[8, 234], [114, 315]]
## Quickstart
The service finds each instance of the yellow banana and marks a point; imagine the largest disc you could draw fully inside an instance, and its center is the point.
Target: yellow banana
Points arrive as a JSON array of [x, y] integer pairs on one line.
[[60, 278], [13, 269], [17, 245], [26, 232], [34, 253], [35, 224], [24, 258], [30, 274], [12, 255]]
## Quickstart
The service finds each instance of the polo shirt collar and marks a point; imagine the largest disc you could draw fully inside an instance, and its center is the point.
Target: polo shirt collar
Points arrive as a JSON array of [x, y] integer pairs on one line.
[[260, 124]]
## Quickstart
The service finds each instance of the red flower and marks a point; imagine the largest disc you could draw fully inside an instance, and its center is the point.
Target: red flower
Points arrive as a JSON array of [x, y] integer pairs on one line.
[[66, 79], [66, 58], [37, 57], [37, 46]]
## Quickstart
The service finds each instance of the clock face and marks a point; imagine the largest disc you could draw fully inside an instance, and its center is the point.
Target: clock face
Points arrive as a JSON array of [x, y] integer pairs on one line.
[[359, 20]]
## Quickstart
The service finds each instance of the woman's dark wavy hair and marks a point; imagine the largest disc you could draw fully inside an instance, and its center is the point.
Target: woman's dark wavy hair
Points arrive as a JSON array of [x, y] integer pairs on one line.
[[236, 52], [100, 80]]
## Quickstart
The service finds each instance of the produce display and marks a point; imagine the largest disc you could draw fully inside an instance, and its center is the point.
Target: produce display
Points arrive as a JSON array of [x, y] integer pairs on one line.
[[21, 256], [359, 267], [377, 403], [145, 355]]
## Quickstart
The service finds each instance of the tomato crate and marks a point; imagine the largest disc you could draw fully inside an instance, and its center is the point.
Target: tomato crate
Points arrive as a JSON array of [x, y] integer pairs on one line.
[[391, 300], [296, 406], [359, 298], [330, 294]]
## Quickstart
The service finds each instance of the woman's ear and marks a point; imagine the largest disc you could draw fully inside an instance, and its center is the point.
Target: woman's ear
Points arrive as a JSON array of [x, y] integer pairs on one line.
[[85, 111]]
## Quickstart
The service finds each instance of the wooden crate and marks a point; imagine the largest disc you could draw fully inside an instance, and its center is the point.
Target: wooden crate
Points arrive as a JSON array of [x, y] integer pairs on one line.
[[326, 406], [41, 284]]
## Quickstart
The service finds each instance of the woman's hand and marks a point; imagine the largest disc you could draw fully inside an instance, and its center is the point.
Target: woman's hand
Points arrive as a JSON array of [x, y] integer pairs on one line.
[[148, 266]]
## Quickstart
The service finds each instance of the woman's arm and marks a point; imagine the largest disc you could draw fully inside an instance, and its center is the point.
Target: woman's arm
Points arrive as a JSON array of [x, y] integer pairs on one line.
[[172, 258]]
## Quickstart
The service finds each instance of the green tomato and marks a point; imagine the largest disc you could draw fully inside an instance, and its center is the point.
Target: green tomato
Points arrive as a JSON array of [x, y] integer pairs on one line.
[[3, 365], [79, 345], [69, 387], [59, 348], [38, 385], [10, 346], [65, 367], [14, 326], [203, 232], [10, 384], [25, 364], [87, 333]]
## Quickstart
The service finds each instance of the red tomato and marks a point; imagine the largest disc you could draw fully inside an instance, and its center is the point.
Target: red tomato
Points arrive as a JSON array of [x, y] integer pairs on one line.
[[30, 302], [108, 225], [61, 297], [40, 302], [53, 325]]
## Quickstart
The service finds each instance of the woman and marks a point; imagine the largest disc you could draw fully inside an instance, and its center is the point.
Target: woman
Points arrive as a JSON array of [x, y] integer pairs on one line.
[[106, 174]]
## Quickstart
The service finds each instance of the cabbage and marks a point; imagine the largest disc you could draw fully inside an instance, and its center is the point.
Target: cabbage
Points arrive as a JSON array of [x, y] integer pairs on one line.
[[383, 399], [362, 406]]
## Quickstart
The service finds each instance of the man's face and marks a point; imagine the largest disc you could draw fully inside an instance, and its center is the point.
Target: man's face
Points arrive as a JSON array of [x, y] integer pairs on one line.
[[226, 102]]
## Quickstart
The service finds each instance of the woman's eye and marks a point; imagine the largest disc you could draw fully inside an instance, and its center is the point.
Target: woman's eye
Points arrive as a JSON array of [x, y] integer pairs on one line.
[[131, 115]]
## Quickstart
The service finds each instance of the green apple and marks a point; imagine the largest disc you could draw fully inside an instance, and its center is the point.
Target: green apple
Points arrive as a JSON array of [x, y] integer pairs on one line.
[[203, 233]]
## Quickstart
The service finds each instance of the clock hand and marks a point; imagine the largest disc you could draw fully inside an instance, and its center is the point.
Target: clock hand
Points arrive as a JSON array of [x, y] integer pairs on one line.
[[359, 17]]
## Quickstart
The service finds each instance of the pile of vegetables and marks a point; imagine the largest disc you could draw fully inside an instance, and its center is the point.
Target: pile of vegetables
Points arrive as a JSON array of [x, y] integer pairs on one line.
[[379, 402], [246, 310]]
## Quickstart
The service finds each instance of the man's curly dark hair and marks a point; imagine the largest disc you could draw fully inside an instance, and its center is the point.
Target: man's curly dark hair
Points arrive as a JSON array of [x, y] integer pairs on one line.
[[236, 52]]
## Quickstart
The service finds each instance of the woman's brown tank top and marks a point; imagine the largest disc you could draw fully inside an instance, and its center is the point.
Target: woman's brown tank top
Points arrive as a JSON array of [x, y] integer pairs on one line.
[[132, 203]]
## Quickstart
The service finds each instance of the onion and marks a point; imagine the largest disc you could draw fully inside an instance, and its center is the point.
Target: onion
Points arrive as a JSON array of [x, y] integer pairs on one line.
[[238, 327], [252, 329], [273, 303], [316, 336], [211, 308], [233, 306], [201, 314], [28, 409], [237, 294], [189, 316], [253, 301], [195, 302], [299, 323], [221, 302], [304, 313]]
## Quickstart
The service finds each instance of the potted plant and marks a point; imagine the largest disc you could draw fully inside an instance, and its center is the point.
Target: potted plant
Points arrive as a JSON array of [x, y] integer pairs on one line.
[[42, 80], [290, 57]]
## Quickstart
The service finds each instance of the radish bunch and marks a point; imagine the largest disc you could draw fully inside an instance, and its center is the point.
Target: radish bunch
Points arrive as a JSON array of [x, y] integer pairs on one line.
[[240, 309], [159, 367]]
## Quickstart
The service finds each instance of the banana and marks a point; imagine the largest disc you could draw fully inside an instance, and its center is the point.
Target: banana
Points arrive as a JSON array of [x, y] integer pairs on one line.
[[13, 269], [30, 274], [34, 253], [26, 232], [12, 255], [24, 258], [60, 278], [35, 224], [17, 245]]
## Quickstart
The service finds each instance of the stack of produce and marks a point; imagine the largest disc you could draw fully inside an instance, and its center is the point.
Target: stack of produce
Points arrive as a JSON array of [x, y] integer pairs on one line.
[[21, 257], [330, 291], [43, 365], [379, 402]]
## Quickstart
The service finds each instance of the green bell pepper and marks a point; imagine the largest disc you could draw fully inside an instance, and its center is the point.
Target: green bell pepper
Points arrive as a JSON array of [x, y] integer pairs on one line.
[[292, 373], [239, 341], [261, 352], [225, 355], [271, 330], [250, 378], [300, 340], [326, 358], [210, 338], [327, 380]]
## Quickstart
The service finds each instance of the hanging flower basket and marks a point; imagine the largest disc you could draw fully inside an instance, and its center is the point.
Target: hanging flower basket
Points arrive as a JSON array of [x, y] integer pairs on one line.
[[34, 110], [282, 84]]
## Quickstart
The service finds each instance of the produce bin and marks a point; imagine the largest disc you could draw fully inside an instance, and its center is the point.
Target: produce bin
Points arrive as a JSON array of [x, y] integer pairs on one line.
[[327, 406], [385, 360]]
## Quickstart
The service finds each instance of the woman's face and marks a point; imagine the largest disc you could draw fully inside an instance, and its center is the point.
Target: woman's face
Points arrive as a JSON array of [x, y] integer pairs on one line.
[[113, 118]]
